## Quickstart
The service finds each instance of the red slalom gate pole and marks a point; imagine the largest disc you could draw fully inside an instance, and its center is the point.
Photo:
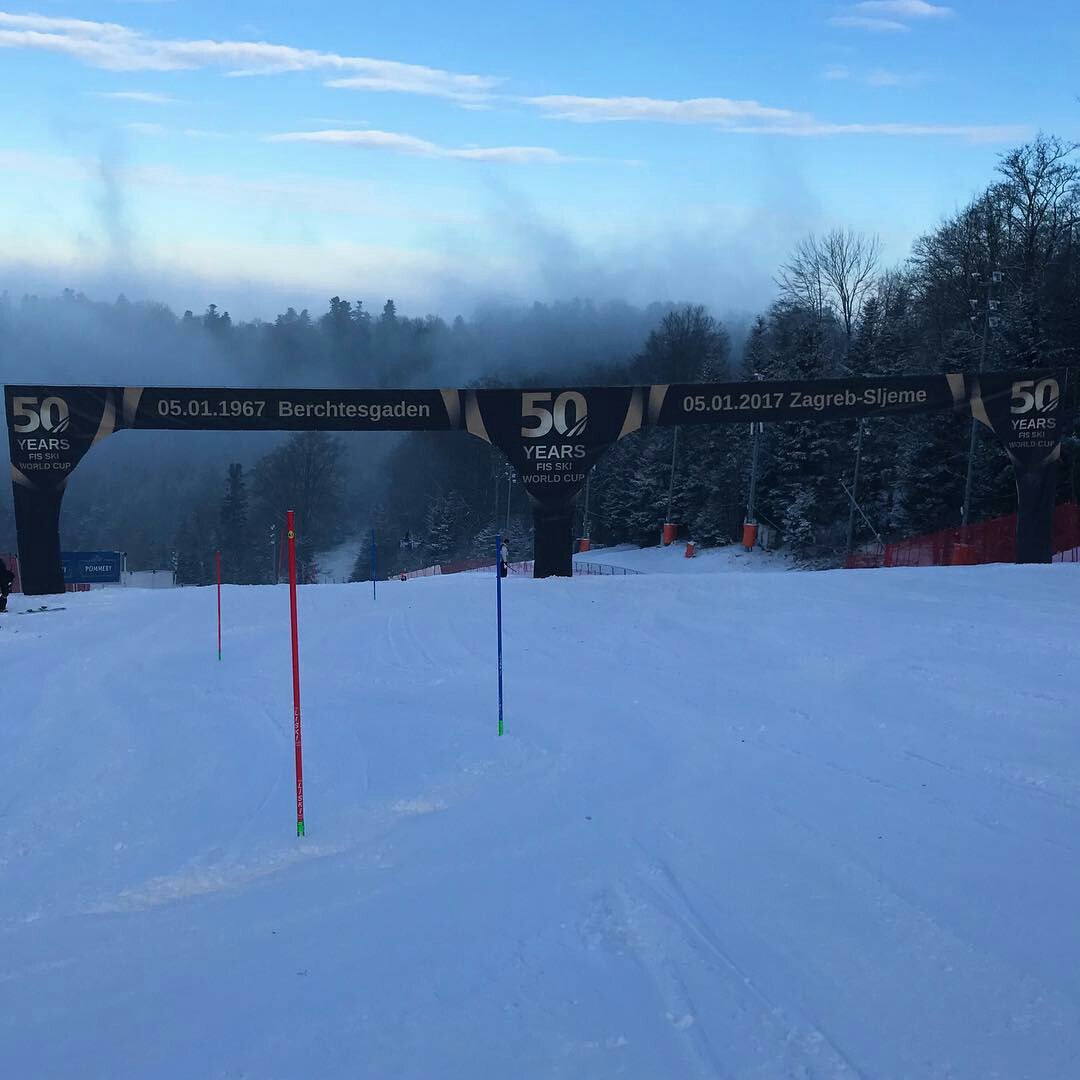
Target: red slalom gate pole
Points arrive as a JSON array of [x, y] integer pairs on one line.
[[217, 560], [291, 533]]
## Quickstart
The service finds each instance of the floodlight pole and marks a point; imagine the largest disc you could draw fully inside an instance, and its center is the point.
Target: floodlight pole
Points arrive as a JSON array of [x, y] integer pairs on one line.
[[585, 517], [671, 482], [756, 428], [988, 285], [854, 490]]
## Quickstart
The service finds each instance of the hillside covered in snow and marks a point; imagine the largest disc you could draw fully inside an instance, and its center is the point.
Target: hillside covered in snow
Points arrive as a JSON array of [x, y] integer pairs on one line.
[[740, 825]]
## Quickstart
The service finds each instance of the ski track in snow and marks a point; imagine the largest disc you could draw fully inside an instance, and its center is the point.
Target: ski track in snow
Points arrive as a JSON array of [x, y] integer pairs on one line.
[[671, 937], [805, 826]]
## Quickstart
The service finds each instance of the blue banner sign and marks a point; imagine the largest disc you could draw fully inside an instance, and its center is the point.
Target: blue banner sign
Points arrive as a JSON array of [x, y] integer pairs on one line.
[[92, 567]]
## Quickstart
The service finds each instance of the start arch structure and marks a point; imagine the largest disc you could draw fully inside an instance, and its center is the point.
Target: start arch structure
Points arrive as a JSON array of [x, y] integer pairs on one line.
[[552, 436]]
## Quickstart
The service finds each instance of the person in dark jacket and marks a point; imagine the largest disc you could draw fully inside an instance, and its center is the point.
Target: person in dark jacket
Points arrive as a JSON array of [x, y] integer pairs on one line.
[[7, 579]]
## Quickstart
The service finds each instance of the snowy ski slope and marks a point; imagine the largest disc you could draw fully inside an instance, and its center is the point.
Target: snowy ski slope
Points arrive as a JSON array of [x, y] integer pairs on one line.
[[741, 825], [672, 559]]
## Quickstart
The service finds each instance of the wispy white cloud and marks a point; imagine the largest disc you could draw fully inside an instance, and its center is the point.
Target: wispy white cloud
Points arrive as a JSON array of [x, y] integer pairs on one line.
[[398, 143], [143, 97], [26, 162], [410, 79], [303, 192], [366, 138], [155, 130], [337, 122], [514, 155], [750, 117], [884, 77], [970, 132], [905, 9], [875, 77], [114, 47], [868, 22], [888, 16], [689, 111]]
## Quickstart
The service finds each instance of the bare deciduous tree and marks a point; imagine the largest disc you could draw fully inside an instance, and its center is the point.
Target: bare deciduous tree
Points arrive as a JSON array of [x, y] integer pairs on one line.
[[1039, 201], [800, 278], [851, 261], [834, 272], [1042, 197]]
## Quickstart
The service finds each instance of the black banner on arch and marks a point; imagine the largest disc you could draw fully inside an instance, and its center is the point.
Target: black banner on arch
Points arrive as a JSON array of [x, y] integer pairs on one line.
[[216, 409], [552, 436], [1026, 414], [819, 399]]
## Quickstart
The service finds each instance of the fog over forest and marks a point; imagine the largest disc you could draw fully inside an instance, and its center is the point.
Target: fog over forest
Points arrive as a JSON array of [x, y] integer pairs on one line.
[[833, 306]]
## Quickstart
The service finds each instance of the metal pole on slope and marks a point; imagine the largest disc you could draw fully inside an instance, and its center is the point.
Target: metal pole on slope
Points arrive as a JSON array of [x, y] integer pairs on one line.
[[373, 574], [854, 491], [995, 278], [585, 516], [290, 524], [498, 619], [755, 434], [217, 560], [671, 482]]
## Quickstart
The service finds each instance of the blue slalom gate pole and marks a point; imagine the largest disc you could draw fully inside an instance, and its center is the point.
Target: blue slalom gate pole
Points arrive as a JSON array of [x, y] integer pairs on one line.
[[498, 619], [373, 576]]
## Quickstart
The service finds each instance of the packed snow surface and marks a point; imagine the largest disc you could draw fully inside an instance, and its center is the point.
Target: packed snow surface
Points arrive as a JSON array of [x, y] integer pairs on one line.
[[336, 565], [672, 559], [740, 825]]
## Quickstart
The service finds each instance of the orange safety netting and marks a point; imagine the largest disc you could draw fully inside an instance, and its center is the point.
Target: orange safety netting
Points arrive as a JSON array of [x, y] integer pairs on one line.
[[992, 541]]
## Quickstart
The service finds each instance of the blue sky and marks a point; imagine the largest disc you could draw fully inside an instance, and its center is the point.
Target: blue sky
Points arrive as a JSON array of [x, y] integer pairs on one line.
[[449, 153]]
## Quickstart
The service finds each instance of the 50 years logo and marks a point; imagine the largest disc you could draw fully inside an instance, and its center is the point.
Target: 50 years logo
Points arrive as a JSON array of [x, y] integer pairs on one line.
[[568, 416], [1027, 394], [51, 415]]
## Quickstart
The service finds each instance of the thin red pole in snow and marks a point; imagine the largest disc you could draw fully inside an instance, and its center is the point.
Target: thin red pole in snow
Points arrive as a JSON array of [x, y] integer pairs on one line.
[[217, 560], [291, 532]]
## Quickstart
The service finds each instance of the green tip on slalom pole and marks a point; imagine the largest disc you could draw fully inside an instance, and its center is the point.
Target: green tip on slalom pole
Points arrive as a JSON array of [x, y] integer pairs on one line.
[[299, 828]]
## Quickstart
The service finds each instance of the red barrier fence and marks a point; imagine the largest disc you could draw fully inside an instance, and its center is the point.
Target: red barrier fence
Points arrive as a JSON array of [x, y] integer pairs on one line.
[[588, 569], [471, 566], [992, 541], [466, 566], [461, 566]]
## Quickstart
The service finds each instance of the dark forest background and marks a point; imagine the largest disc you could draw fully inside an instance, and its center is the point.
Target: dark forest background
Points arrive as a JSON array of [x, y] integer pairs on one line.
[[170, 500]]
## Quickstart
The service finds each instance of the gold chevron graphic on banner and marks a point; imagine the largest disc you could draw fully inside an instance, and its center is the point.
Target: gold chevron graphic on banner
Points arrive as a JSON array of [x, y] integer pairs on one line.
[[634, 413]]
